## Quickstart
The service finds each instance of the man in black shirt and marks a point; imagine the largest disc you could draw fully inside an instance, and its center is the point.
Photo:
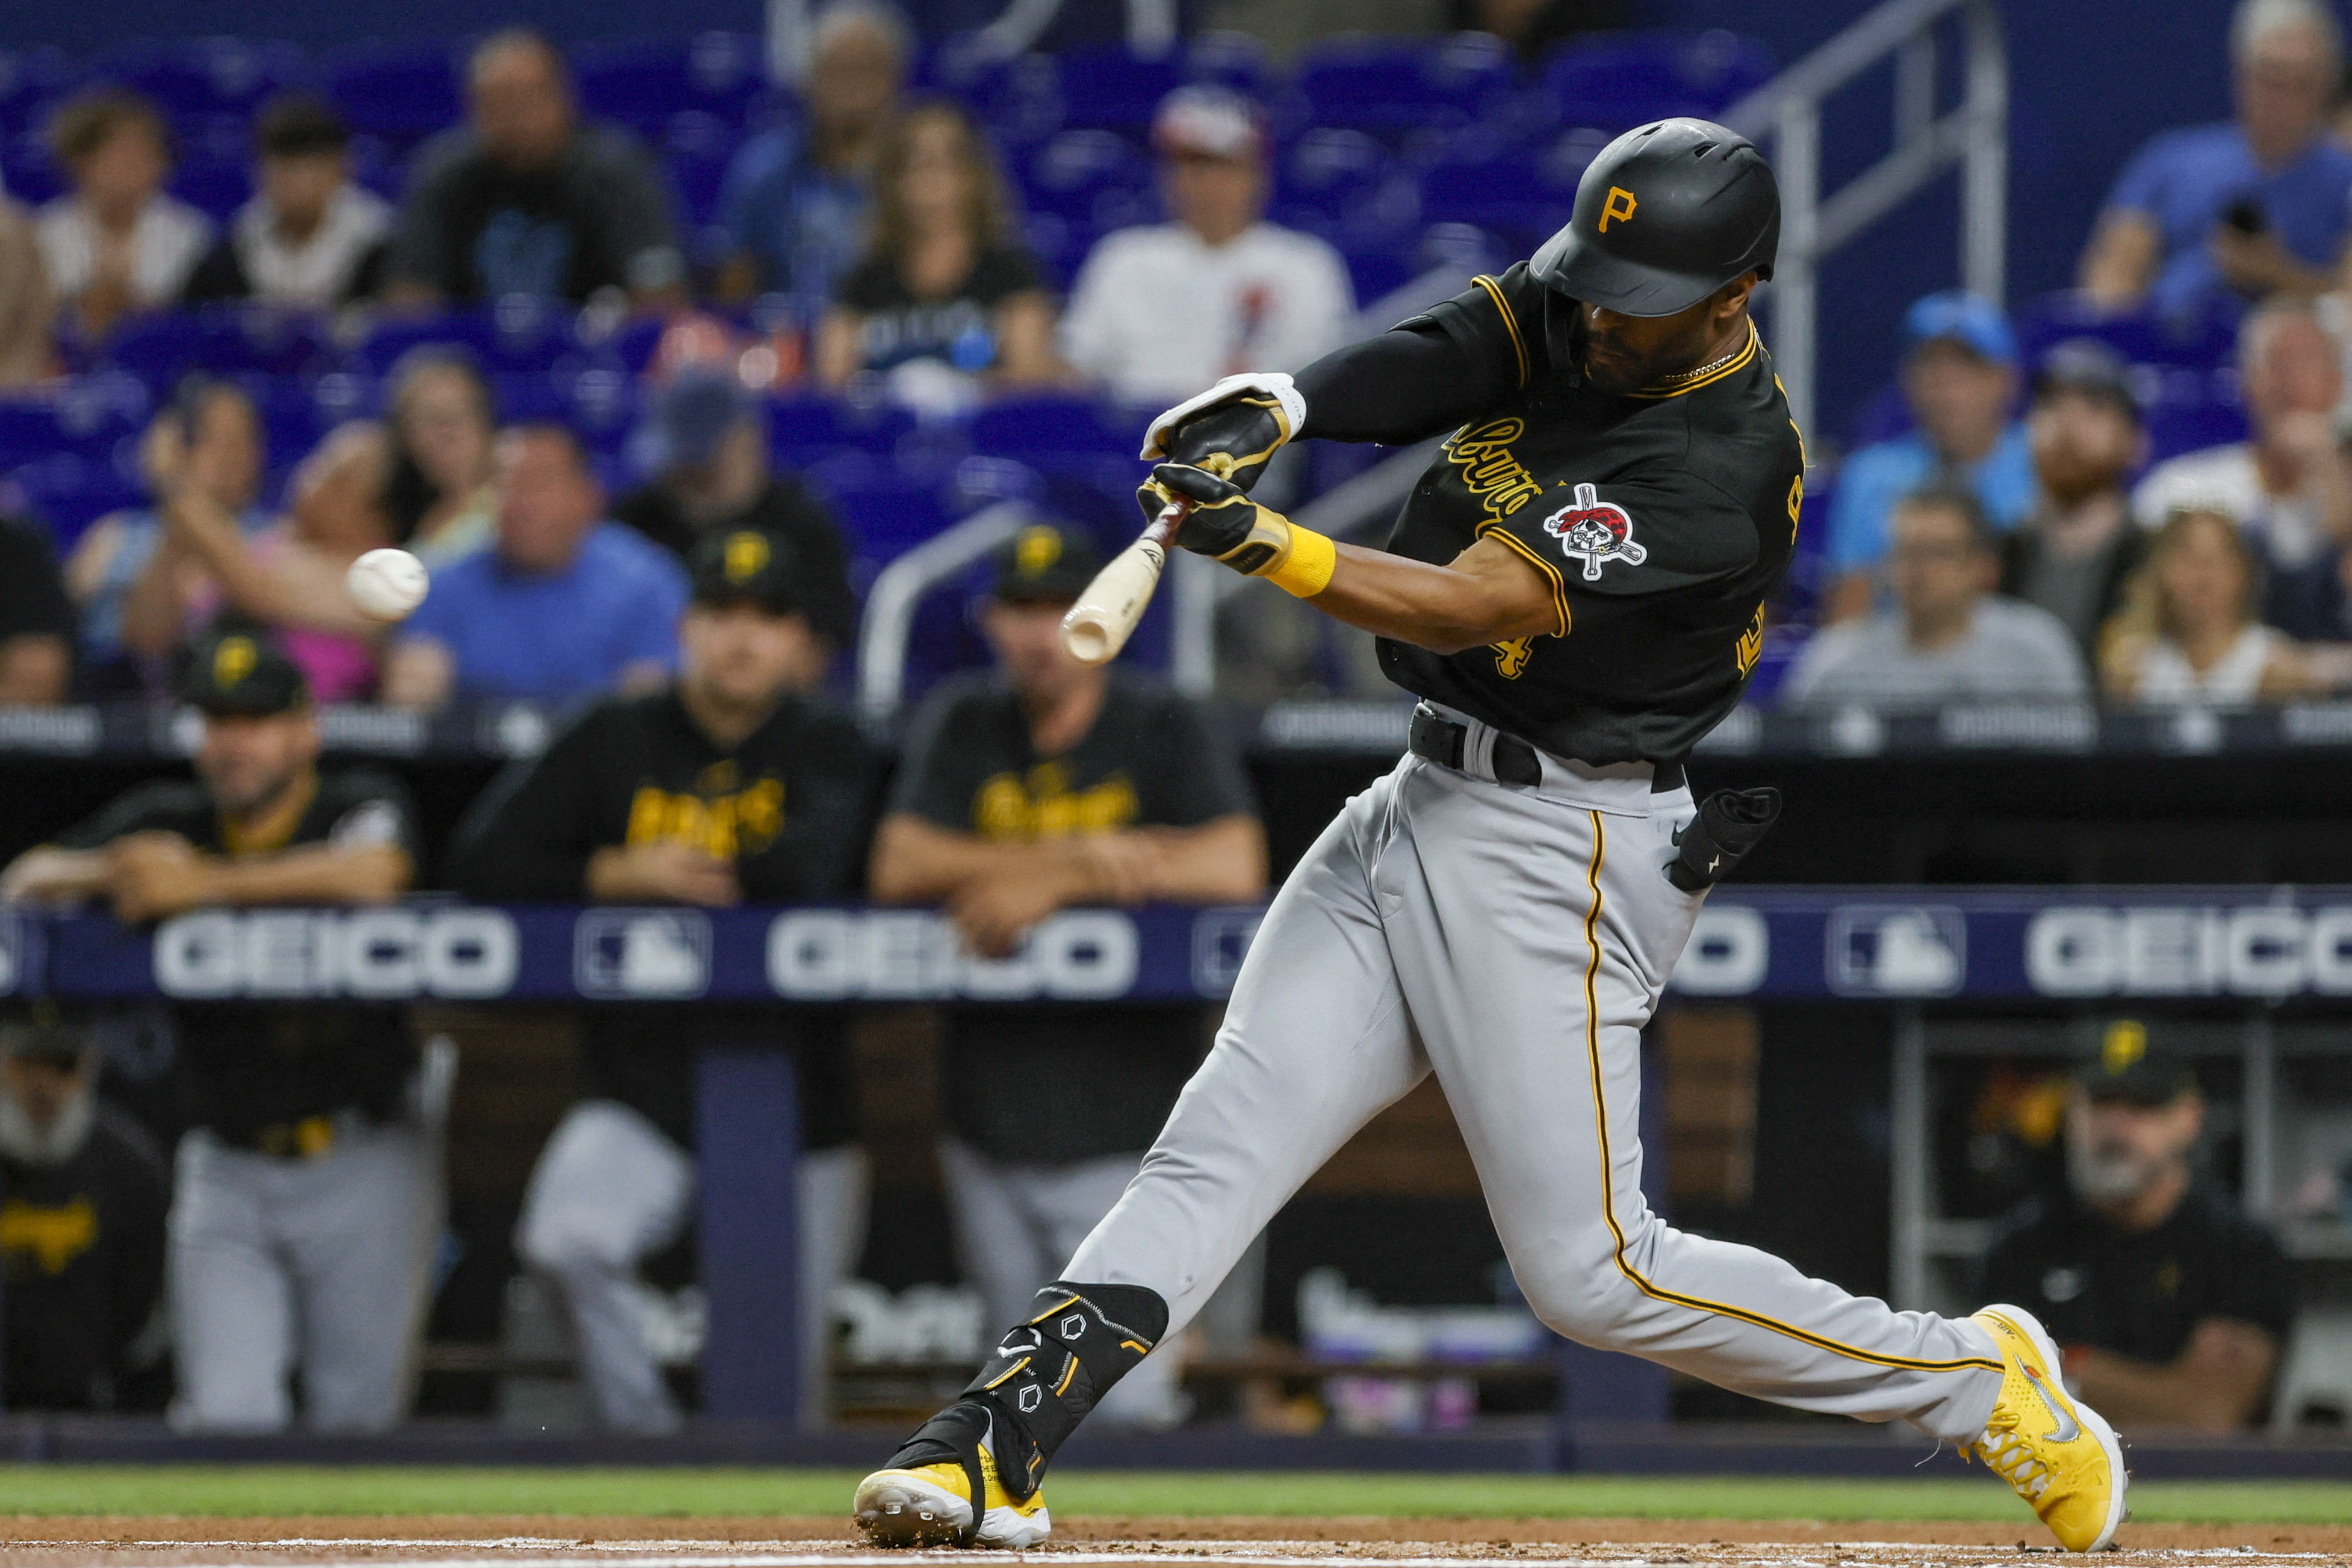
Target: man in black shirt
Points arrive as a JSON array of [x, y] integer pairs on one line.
[[528, 201], [37, 619], [2170, 1305], [1575, 590], [307, 1194], [81, 1230], [722, 788], [705, 446], [1057, 783], [2072, 553]]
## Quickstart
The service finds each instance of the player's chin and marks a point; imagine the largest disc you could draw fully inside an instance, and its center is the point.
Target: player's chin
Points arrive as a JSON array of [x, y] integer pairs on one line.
[[1609, 376]]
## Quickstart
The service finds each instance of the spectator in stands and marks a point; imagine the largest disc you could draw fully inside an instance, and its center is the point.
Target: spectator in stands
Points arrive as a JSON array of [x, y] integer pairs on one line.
[[36, 619], [794, 199], [1058, 783], [706, 448], [1959, 376], [2188, 631], [307, 1198], [310, 239], [2072, 553], [2209, 218], [291, 579], [2168, 1306], [723, 786], [138, 589], [2288, 487], [564, 604], [1228, 291], [1534, 28], [81, 1230], [442, 498], [118, 243], [28, 307], [1951, 638], [527, 200], [943, 293]]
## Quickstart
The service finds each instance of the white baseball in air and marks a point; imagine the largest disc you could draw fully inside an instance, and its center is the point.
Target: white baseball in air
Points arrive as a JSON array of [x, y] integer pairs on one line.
[[386, 584]]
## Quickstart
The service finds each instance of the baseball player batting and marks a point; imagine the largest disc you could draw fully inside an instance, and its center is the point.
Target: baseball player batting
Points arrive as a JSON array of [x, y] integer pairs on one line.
[[1575, 590]]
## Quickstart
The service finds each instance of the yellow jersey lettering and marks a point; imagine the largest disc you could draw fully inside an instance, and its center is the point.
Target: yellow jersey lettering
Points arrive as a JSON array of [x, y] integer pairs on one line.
[[1751, 644], [55, 1235], [1010, 807], [1501, 481], [1511, 658], [744, 822]]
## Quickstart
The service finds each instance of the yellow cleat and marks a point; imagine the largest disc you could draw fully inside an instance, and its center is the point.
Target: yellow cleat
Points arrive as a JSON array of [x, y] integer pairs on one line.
[[930, 1505], [2058, 1453]]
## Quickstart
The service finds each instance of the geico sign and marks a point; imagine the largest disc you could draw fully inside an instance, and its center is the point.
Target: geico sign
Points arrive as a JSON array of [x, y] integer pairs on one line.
[[2254, 950], [828, 954], [371, 953]]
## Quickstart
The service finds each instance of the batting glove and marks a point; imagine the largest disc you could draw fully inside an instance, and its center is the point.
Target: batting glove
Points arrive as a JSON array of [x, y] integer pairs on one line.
[[1231, 429], [1255, 540]]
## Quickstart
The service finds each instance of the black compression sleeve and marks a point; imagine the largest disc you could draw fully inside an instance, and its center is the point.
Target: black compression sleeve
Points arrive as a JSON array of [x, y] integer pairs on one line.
[[1403, 386]]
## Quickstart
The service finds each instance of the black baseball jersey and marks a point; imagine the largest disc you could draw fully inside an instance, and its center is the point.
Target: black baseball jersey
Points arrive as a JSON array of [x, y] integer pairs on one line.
[[2139, 1294], [82, 1244], [789, 806], [1045, 1085], [252, 1073], [1662, 521]]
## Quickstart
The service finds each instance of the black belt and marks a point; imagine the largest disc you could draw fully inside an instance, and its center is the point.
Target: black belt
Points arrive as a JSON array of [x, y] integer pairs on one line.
[[1515, 761]]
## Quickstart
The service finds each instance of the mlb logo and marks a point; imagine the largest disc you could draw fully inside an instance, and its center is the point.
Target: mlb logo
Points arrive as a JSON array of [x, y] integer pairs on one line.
[[641, 955], [1897, 951]]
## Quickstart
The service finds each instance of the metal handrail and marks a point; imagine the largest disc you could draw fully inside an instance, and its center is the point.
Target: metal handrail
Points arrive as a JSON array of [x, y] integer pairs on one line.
[[890, 603], [1787, 111]]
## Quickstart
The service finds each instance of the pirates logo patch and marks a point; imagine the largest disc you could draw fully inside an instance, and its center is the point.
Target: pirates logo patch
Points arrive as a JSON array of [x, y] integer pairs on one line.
[[1595, 532]]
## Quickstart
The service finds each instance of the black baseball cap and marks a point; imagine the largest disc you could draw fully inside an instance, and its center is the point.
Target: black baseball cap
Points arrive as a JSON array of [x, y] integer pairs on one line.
[[2127, 1071], [2090, 367], [1664, 215], [746, 565], [1045, 563], [242, 675]]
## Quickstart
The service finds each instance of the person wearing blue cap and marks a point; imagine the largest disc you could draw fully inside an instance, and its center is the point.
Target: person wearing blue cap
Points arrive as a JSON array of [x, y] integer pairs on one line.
[[1959, 376]]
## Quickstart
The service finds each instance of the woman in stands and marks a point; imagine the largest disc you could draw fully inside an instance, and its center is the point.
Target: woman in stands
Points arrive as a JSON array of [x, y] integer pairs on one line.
[[943, 297], [290, 580], [443, 502], [134, 588], [2188, 631], [118, 243]]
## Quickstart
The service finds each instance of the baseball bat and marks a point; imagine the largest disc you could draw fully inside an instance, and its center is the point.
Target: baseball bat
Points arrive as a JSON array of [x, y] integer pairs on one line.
[[1099, 623]]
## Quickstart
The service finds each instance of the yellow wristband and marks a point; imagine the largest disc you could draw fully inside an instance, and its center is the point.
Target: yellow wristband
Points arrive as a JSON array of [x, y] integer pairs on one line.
[[1305, 570]]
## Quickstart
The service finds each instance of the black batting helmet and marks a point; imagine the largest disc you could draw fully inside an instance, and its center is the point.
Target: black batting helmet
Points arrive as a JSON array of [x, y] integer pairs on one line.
[[1666, 215]]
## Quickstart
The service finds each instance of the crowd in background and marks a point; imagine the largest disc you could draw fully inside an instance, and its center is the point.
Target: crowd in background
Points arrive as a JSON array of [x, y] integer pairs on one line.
[[2012, 541]]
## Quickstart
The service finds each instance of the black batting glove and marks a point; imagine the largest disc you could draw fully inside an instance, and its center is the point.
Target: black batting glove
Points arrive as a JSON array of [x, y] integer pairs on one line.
[[1231, 429], [1224, 521]]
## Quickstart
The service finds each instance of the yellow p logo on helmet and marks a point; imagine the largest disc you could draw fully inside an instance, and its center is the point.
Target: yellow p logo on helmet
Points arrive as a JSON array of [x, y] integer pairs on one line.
[[233, 660], [1619, 206], [747, 555], [1036, 550], [2125, 1042]]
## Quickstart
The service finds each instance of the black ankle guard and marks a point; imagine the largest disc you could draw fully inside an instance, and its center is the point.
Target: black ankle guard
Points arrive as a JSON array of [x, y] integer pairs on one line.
[[1044, 1377]]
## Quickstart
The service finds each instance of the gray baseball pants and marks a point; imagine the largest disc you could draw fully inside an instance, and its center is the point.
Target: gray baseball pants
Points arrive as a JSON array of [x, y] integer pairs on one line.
[[1514, 940]]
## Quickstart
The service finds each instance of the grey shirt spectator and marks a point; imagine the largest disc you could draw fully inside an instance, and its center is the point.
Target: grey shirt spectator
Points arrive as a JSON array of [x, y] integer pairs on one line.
[[526, 200], [1951, 639]]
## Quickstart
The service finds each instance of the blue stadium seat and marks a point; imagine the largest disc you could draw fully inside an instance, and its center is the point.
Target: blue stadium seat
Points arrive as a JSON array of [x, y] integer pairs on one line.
[[2190, 410], [1049, 432], [884, 512], [31, 175], [805, 429], [1392, 87], [1522, 192], [2143, 339], [698, 146], [68, 492], [1231, 60], [30, 81], [227, 339], [400, 93], [1335, 181], [643, 83], [1093, 181], [1621, 80], [215, 187], [1114, 89], [519, 336], [192, 78]]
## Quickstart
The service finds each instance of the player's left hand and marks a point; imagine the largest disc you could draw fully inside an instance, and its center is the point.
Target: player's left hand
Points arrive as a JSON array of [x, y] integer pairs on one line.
[[155, 874], [1232, 429], [1224, 522]]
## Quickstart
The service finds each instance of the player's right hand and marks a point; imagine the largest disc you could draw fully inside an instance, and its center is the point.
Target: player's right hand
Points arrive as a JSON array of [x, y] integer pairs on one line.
[[1222, 522], [1232, 429]]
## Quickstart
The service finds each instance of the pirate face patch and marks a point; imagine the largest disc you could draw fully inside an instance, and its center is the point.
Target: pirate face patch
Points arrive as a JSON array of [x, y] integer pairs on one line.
[[1595, 532]]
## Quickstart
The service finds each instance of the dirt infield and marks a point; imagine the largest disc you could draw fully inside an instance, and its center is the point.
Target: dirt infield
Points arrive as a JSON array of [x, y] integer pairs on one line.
[[546, 1541]]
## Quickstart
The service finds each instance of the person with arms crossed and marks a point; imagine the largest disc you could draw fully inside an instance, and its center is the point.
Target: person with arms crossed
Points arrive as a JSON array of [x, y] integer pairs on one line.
[[308, 1192], [2170, 1306], [1575, 590], [725, 786], [1051, 784]]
